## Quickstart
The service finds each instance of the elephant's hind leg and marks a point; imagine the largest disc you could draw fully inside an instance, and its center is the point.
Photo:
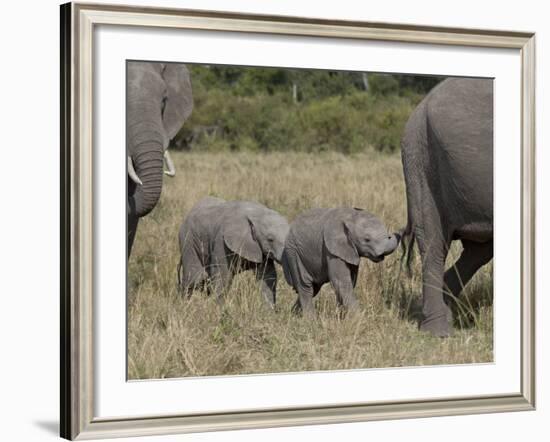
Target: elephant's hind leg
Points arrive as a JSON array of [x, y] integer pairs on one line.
[[304, 304], [192, 273], [437, 314], [300, 280], [474, 256]]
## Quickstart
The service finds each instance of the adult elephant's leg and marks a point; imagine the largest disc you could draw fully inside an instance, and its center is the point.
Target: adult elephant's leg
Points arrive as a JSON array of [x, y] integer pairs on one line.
[[433, 250], [133, 222], [267, 276], [472, 258], [132, 218]]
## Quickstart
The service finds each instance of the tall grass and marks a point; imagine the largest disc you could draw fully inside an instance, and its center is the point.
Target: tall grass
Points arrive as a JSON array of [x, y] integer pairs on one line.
[[169, 336]]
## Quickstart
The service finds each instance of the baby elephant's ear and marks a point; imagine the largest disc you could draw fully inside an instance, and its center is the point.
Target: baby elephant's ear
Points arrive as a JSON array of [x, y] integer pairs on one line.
[[338, 241], [238, 237]]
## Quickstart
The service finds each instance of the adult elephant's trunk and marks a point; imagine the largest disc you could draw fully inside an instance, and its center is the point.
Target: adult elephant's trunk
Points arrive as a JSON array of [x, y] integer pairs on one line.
[[146, 141], [148, 162]]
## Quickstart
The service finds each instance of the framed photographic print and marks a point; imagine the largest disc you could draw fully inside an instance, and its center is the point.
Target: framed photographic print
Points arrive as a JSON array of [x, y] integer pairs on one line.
[[272, 220]]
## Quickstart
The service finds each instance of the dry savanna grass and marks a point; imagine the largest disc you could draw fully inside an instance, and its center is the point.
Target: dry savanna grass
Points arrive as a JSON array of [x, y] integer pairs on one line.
[[169, 336]]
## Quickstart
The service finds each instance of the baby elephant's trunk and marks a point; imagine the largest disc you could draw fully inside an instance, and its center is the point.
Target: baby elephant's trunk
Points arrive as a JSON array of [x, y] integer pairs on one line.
[[393, 242]]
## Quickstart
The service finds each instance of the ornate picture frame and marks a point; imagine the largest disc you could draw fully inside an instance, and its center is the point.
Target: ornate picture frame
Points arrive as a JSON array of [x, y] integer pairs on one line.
[[78, 24]]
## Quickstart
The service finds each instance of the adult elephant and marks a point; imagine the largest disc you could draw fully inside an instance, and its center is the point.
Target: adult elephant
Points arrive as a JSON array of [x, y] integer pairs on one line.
[[447, 154], [159, 100]]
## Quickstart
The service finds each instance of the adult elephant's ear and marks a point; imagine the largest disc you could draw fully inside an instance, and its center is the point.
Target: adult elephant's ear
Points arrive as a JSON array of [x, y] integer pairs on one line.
[[337, 240], [178, 100], [238, 236]]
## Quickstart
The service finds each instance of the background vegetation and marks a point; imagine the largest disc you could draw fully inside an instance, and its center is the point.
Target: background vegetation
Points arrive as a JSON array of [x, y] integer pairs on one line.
[[273, 109], [251, 136]]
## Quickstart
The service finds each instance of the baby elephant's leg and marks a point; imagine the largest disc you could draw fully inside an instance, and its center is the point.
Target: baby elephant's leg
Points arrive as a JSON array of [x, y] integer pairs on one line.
[[343, 277], [191, 273], [267, 276], [300, 280], [221, 277], [304, 303]]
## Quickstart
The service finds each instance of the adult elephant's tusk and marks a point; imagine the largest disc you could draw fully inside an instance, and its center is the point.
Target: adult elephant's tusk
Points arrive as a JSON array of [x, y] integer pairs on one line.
[[132, 172], [170, 169]]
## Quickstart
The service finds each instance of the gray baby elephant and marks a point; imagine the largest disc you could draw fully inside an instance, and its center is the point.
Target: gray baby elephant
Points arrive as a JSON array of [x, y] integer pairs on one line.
[[326, 245], [220, 238]]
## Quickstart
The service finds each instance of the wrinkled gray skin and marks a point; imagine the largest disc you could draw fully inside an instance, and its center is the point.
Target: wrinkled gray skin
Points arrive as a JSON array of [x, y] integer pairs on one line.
[[159, 100], [447, 154], [220, 238], [326, 245]]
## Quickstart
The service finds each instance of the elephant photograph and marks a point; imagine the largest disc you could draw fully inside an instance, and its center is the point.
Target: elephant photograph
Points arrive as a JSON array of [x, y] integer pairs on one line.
[[290, 220]]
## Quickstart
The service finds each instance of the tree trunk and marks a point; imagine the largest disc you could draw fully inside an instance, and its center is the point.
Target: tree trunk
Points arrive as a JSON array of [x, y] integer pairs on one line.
[[366, 81]]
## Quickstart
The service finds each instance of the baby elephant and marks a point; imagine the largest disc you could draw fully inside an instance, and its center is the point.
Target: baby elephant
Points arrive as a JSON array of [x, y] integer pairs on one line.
[[221, 238], [326, 245]]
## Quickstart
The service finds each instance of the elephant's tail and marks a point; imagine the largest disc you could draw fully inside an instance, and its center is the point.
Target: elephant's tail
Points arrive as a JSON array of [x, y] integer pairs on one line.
[[408, 239], [413, 147], [179, 274]]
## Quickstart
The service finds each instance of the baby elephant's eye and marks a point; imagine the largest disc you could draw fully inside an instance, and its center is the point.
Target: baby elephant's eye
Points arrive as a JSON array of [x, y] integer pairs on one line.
[[367, 239]]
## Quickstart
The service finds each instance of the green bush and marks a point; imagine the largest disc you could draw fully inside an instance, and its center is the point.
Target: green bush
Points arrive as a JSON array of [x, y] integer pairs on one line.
[[255, 110], [383, 84]]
